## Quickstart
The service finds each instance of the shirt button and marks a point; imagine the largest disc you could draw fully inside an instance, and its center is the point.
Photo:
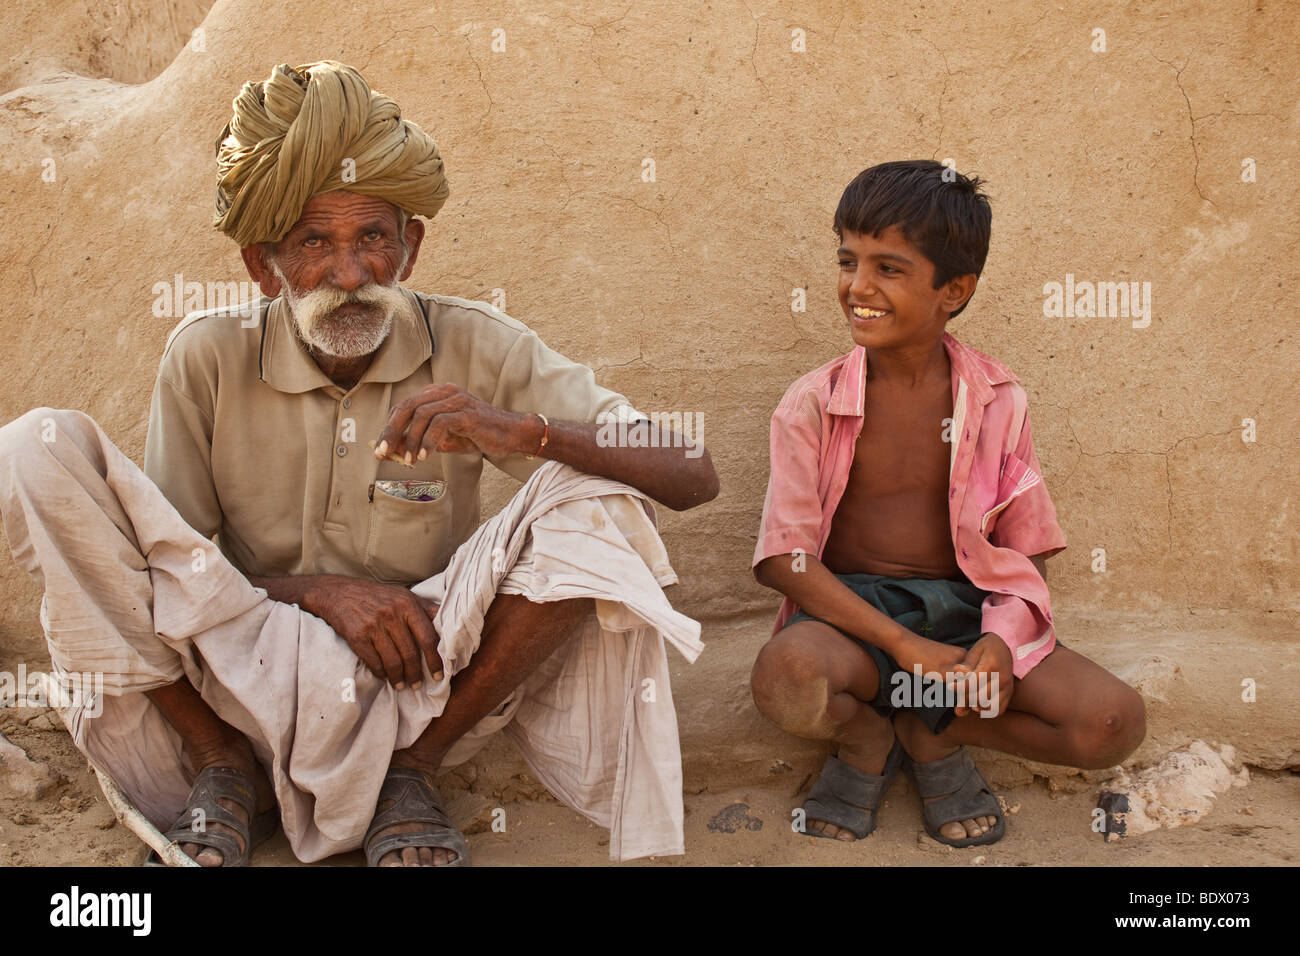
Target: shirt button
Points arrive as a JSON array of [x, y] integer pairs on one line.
[[964, 554], [952, 492], [347, 403], [342, 450], [968, 434]]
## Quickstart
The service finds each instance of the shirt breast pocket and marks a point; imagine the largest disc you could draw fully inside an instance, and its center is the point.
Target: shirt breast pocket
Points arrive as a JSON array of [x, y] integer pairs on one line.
[[409, 539], [1016, 479]]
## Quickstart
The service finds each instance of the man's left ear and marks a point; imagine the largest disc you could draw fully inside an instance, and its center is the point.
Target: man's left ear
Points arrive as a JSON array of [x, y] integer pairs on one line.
[[414, 235]]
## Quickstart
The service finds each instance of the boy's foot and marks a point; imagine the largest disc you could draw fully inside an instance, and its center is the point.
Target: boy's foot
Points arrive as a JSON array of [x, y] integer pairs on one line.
[[844, 801], [921, 746], [868, 757]]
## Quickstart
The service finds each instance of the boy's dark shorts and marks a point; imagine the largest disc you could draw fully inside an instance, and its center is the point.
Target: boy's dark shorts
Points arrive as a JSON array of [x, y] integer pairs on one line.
[[948, 611]]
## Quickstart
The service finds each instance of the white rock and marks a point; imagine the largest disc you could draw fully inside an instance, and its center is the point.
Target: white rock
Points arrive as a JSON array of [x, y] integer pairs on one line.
[[1180, 789]]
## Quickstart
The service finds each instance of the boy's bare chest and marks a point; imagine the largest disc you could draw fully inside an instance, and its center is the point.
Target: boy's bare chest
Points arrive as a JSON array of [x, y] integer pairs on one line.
[[904, 444], [893, 516]]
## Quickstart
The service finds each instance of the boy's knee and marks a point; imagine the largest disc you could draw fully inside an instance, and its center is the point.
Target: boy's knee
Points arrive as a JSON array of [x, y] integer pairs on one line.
[[1111, 730], [790, 688]]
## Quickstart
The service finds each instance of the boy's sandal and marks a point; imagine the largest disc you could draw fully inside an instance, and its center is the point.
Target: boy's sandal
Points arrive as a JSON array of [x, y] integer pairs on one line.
[[222, 783], [415, 800], [846, 797], [967, 796]]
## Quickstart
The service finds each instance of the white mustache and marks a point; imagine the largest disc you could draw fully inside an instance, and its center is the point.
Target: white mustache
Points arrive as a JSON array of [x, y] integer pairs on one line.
[[343, 336], [327, 299]]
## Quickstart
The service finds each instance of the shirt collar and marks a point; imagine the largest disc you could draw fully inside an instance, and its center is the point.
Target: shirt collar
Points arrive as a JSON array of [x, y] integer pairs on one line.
[[286, 366], [978, 371]]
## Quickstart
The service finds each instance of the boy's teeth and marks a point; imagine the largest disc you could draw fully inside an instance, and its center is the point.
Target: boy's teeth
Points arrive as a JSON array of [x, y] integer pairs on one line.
[[867, 313]]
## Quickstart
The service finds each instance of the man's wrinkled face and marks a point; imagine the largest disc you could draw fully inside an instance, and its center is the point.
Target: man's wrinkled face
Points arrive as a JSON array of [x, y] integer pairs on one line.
[[339, 269]]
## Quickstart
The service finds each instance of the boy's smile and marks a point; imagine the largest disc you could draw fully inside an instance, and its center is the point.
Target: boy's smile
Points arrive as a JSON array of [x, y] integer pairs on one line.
[[886, 290]]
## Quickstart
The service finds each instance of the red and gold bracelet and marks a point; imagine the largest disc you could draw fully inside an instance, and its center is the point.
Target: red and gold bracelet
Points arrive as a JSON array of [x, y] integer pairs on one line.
[[545, 436]]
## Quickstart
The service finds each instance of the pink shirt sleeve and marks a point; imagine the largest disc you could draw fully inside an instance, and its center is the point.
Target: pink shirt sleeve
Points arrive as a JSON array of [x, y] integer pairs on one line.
[[792, 511], [1028, 524]]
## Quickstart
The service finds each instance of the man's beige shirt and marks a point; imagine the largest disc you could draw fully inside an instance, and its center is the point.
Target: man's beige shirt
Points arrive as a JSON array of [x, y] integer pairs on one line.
[[252, 443]]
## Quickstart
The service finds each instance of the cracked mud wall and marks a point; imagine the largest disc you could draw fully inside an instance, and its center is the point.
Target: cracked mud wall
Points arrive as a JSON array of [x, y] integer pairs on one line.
[[1117, 166]]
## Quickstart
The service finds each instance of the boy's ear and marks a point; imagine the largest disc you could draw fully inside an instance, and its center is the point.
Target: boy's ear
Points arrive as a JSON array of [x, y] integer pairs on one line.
[[957, 290]]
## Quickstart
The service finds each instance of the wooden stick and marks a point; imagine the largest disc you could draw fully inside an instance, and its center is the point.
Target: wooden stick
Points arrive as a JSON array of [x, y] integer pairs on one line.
[[126, 813]]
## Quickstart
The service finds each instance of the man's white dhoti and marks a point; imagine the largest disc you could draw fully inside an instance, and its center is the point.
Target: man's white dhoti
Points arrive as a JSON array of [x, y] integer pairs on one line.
[[135, 594]]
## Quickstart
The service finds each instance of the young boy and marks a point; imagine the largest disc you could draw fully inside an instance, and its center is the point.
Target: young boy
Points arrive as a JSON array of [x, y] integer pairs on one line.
[[907, 523]]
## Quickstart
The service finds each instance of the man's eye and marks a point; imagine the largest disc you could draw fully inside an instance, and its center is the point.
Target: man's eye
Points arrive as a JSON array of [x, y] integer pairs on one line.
[[845, 263], [887, 268], [374, 236], [311, 242]]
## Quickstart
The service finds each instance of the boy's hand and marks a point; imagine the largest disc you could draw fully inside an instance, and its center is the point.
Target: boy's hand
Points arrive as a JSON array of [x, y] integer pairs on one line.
[[931, 655], [988, 657]]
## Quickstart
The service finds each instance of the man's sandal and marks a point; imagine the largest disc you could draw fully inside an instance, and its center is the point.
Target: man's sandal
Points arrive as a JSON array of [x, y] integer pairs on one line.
[[415, 800], [963, 794], [846, 797], [222, 783]]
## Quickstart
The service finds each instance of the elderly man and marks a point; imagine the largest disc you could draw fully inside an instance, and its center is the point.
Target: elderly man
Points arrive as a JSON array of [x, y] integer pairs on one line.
[[355, 633]]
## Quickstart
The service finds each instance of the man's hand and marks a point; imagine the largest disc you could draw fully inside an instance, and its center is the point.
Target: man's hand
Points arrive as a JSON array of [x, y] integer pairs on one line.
[[448, 419], [670, 468], [386, 626], [990, 656]]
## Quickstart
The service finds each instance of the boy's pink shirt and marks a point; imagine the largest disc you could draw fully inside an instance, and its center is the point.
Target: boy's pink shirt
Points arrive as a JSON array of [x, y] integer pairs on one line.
[[999, 508]]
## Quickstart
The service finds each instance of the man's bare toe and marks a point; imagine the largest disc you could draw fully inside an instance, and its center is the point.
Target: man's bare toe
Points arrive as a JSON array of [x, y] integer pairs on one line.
[[202, 855], [416, 855]]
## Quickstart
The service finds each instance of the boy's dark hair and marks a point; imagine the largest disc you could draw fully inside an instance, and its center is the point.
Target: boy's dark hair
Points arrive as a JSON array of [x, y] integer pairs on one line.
[[937, 208]]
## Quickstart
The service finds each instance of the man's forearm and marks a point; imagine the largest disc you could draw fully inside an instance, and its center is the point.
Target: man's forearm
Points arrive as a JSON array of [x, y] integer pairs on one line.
[[447, 419], [819, 593], [663, 471], [297, 589]]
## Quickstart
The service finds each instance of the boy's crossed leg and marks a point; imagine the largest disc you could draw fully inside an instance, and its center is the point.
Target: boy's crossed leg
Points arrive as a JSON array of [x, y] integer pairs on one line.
[[814, 683], [1067, 710]]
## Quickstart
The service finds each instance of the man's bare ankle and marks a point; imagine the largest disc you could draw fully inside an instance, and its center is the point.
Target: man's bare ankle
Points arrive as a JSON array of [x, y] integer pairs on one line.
[[228, 750], [414, 760]]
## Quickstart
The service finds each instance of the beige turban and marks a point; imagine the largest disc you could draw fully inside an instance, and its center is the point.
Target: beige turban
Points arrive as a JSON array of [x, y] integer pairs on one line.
[[314, 129]]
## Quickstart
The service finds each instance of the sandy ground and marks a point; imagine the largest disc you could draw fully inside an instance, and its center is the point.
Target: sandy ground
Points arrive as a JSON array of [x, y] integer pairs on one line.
[[1249, 826]]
